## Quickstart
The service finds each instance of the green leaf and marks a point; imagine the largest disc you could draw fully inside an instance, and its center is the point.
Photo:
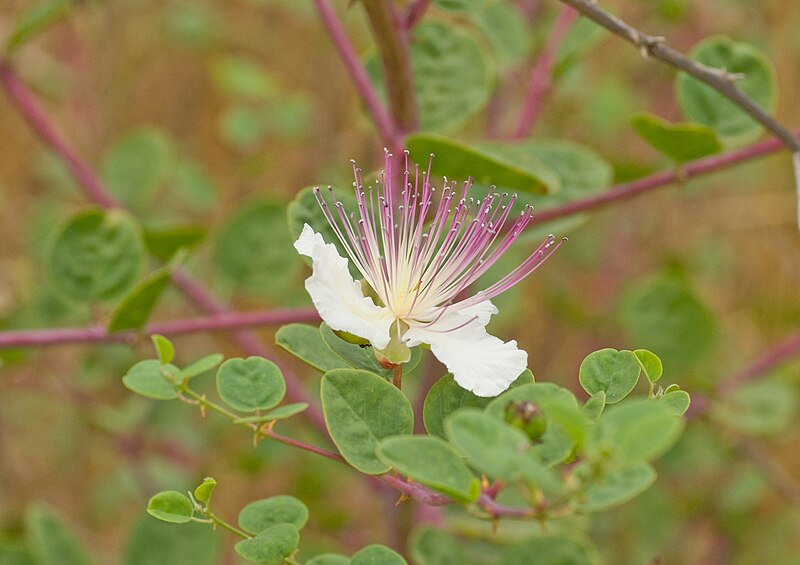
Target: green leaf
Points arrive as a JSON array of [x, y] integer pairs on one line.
[[254, 249], [133, 312], [614, 486], [305, 342], [195, 188], [164, 348], [665, 316], [250, 384], [678, 401], [204, 490], [271, 546], [701, 103], [164, 243], [153, 542], [135, 167], [431, 462], [377, 555], [680, 142], [429, 546], [50, 540], [201, 366], [329, 559], [36, 19], [262, 514], [280, 413], [593, 408], [15, 553], [148, 379], [613, 372], [96, 256], [498, 449], [171, 506], [452, 79], [549, 550], [446, 396], [241, 77], [505, 28], [650, 363], [360, 410], [304, 209], [642, 429], [766, 407], [362, 357], [486, 164], [565, 425]]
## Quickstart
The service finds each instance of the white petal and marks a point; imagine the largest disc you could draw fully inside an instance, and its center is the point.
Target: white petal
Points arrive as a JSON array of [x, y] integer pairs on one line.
[[337, 297], [479, 362]]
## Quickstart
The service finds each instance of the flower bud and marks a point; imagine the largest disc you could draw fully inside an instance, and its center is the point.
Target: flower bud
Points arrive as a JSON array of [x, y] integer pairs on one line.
[[526, 416]]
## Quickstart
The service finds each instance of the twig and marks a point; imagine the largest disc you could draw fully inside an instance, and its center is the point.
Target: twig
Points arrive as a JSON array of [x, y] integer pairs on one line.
[[391, 36], [40, 123], [719, 79], [415, 12], [646, 184], [383, 121], [99, 334], [540, 80], [783, 351]]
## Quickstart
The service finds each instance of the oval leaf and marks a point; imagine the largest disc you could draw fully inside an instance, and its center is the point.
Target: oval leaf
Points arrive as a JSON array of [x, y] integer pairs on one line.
[[202, 366], [271, 546], [611, 371], [680, 142], [265, 513], [643, 429], [615, 486], [164, 348], [171, 506], [136, 306], [50, 540], [678, 401], [150, 378], [431, 462], [305, 342], [96, 256], [360, 410], [377, 555], [250, 384]]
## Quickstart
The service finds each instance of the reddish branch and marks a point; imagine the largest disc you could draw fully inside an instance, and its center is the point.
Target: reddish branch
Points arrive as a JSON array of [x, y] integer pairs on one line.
[[40, 123], [540, 80], [99, 333]]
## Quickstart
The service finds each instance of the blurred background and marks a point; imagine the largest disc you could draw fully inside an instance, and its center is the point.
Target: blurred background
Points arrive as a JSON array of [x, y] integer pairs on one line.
[[194, 111]]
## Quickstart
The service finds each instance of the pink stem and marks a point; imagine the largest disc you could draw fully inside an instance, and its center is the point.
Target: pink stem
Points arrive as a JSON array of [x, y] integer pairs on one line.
[[415, 12], [99, 333], [26, 103], [539, 83], [644, 185], [383, 121], [783, 351]]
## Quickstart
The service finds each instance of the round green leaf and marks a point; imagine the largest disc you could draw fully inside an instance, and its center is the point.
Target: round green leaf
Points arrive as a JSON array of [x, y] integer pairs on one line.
[[678, 401], [431, 462], [377, 555], [271, 546], [254, 249], [451, 77], [148, 379], [611, 371], [202, 366], [204, 490], [594, 406], [136, 165], [614, 486], [766, 407], [250, 384], [565, 426], [680, 142], [701, 103], [171, 506], [434, 547], [665, 316], [96, 256], [50, 540], [360, 410], [153, 542], [265, 513], [643, 429]]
